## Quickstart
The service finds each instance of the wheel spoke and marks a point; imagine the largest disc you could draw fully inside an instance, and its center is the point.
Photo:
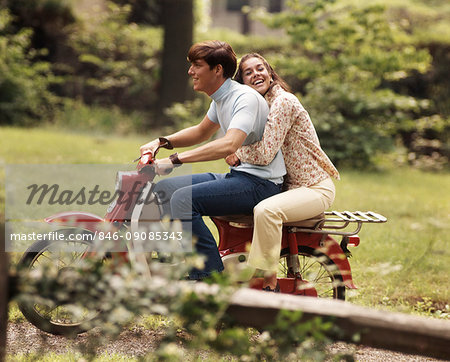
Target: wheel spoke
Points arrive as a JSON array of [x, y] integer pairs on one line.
[[318, 270]]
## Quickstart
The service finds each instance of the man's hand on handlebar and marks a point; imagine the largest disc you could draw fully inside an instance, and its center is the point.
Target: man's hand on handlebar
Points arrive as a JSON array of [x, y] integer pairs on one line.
[[163, 166], [150, 147], [233, 160]]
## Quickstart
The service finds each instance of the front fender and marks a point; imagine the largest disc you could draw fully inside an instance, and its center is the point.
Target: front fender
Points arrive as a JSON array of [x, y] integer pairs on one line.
[[83, 220]]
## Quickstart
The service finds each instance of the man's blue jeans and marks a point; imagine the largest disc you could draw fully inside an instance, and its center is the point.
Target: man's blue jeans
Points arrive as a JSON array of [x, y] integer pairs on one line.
[[188, 198]]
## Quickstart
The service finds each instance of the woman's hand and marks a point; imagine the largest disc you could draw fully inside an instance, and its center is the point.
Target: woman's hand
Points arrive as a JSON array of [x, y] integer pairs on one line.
[[163, 166], [150, 147], [233, 160]]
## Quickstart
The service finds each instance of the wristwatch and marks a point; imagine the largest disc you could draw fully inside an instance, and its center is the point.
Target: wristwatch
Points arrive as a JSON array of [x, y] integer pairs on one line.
[[175, 160], [165, 143]]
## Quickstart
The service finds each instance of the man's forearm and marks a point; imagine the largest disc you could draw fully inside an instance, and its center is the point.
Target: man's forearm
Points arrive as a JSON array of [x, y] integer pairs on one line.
[[194, 135], [216, 149], [187, 137]]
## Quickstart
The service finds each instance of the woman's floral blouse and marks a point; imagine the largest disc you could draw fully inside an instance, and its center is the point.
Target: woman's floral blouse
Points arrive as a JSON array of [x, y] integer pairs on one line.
[[290, 127]]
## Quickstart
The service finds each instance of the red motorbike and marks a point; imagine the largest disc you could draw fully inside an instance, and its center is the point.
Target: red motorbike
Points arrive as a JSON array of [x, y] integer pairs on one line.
[[312, 262]]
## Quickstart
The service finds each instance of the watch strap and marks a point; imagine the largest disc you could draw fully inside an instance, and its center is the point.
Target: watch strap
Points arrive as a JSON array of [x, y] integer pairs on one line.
[[165, 143], [175, 160]]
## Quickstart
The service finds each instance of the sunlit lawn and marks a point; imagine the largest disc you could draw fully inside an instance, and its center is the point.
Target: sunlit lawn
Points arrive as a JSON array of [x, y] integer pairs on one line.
[[406, 259], [399, 264]]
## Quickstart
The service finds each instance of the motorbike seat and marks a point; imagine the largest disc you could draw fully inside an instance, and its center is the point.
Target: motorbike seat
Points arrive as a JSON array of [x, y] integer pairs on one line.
[[311, 223]]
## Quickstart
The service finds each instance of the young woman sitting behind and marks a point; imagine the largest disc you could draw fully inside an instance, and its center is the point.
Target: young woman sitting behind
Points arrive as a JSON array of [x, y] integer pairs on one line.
[[309, 188]]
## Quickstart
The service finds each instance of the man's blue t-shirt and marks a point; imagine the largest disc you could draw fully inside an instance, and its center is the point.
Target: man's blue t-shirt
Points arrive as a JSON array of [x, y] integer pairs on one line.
[[239, 106]]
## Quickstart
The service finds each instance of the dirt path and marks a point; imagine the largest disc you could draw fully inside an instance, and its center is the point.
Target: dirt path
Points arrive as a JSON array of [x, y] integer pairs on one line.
[[24, 338]]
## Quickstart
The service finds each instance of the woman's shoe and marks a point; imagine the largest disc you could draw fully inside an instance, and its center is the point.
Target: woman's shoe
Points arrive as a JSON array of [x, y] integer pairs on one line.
[[269, 289]]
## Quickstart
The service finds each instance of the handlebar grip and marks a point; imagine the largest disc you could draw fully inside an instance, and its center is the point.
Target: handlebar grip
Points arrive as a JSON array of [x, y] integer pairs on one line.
[[146, 159]]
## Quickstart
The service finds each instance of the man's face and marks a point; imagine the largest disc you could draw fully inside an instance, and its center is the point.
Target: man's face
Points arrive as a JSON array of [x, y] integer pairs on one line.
[[205, 79]]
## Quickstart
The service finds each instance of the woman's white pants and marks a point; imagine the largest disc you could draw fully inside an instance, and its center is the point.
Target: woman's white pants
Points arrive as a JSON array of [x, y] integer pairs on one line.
[[289, 206]]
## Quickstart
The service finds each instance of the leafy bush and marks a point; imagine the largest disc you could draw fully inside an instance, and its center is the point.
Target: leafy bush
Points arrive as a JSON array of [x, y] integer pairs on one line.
[[76, 115], [343, 60], [49, 20], [25, 97], [116, 62], [100, 60], [197, 319], [186, 114], [427, 140]]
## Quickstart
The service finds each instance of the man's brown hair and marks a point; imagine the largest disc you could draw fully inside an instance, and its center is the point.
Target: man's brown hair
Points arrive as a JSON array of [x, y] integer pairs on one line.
[[215, 52]]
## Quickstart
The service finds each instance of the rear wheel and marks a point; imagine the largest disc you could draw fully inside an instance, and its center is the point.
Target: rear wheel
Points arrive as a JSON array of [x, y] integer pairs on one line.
[[61, 318], [317, 269]]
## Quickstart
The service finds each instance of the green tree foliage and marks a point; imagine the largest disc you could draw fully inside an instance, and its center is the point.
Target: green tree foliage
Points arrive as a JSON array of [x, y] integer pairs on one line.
[[143, 11], [101, 57], [115, 61], [343, 59], [428, 140], [49, 20], [25, 97]]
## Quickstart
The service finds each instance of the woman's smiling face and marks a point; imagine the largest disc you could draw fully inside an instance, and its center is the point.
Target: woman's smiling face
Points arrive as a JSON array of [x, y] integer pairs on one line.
[[255, 74]]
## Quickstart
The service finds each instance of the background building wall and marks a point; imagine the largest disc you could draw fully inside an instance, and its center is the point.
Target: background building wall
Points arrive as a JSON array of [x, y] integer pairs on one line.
[[227, 14]]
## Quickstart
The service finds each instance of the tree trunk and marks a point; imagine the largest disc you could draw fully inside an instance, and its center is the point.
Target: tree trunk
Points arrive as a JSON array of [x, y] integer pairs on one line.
[[178, 22], [246, 25], [3, 293]]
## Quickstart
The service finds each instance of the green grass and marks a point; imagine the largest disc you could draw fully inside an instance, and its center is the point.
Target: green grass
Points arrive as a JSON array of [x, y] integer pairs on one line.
[[406, 261], [403, 265], [50, 145]]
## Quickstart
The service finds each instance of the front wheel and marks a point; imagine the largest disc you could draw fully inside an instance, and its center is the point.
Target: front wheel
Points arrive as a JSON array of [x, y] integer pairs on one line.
[[316, 269], [60, 318]]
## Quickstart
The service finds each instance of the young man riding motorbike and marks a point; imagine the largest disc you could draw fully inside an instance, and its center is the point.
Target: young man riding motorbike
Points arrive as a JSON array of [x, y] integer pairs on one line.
[[241, 113]]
